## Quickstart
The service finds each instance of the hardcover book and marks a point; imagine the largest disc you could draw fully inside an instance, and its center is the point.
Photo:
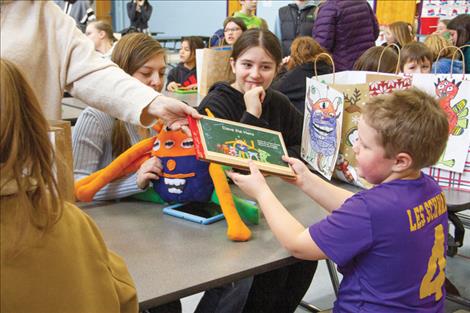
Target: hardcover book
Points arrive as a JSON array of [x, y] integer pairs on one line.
[[235, 144]]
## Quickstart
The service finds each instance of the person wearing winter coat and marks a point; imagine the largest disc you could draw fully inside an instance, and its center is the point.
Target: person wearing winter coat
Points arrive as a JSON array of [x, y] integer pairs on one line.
[[346, 29]]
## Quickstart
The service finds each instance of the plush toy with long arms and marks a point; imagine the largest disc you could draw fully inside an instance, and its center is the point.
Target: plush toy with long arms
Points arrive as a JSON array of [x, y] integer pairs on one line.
[[184, 178]]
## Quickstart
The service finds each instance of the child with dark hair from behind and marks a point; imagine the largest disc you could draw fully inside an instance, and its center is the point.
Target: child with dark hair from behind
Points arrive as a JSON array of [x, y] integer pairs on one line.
[[415, 57], [183, 76], [369, 60], [53, 257], [389, 242]]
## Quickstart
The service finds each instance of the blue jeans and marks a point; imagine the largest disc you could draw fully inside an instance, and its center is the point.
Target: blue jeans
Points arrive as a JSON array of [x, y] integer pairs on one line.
[[229, 298]]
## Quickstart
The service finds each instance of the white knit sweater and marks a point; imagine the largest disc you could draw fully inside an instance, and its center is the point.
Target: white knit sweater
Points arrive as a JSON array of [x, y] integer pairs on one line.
[[55, 56]]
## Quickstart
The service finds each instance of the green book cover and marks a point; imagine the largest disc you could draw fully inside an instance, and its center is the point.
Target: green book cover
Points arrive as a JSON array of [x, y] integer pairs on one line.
[[235, 144]]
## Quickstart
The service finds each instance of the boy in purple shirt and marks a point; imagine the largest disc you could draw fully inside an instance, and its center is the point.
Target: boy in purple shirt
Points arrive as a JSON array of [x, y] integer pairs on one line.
[[389, 242]]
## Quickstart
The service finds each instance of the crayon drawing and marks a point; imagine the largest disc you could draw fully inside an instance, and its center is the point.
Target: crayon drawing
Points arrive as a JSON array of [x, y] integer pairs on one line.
[[453, 94], [322, 126]]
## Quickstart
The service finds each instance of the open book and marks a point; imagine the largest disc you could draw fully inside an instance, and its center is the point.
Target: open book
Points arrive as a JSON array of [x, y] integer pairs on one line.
[[235, 144]]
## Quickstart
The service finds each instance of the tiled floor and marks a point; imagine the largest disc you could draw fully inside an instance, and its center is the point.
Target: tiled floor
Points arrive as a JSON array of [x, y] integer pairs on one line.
[[321, 293]]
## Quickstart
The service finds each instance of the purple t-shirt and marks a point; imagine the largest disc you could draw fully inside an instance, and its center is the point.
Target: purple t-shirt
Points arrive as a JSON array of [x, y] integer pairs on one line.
[[389, 243]]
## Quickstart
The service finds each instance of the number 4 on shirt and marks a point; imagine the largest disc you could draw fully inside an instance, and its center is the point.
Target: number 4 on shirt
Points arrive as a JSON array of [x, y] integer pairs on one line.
[[428, 285]]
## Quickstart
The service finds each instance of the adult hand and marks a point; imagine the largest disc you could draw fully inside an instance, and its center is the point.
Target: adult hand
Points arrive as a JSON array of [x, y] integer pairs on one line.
[[173, 86], [150, 169], [253, 185], [253, 100], [173, 112]]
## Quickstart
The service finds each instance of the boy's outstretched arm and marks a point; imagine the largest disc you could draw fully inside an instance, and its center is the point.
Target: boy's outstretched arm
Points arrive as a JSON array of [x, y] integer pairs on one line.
[[291, 233], [324, 193]]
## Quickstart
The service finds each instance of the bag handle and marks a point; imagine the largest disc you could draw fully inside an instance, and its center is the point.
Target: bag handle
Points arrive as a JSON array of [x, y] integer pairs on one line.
[[453, 57], [397, 69], [460, 49], [332, 64], [220, 41]]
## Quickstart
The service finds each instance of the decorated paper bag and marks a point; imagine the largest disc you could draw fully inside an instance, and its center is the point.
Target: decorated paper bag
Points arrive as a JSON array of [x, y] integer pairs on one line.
[[321, 134], [453, 92], [355, 86], [60, 135], [212, 65]]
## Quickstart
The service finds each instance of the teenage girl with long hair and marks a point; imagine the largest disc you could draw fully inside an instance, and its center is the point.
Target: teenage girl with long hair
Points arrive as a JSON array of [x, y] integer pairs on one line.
[[53, 257], [98, 138]]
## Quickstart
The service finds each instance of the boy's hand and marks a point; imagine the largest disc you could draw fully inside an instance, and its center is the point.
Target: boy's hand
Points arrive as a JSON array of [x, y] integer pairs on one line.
[[173, 86], [300, 169], [253, 185], [253, 100], [150, 169]]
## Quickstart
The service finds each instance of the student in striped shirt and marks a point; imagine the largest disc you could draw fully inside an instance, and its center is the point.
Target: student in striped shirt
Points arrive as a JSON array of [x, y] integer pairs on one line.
[[98, 138]]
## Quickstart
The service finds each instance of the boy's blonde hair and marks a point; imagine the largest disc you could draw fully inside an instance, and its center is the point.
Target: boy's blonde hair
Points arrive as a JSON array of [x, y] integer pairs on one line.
[[27, 156], [415, 52], [409, 121], [436, 43]]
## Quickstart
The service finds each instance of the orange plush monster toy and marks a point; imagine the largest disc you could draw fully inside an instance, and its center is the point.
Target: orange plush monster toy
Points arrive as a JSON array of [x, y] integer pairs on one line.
[[184, 177]]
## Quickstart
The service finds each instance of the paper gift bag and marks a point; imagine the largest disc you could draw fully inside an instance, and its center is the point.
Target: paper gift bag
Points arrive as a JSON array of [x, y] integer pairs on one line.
[[453, 92], [212, 65], [355, 86], [321, 133], [60, 135]]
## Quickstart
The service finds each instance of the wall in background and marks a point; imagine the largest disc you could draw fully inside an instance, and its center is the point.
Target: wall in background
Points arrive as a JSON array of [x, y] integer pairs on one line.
[[177, 18], [191, 17]]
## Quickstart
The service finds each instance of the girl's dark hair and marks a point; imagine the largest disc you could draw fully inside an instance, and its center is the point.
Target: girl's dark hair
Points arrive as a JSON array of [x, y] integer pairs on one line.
[[369, 60], [415, 51], [257, 37], [461, 24], [194, 43], [235, 20]]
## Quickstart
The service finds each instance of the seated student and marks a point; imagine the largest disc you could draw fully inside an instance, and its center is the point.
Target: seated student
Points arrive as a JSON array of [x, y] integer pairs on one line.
[[398, 33], [389, 242], [255, 59], [459, 29], [415, 57], [369, 60], [438, 44], [233, 29], [53, 257], [292, 82], [183, 76], [101, 33], [98, 138], [247, 14], [442, 30]]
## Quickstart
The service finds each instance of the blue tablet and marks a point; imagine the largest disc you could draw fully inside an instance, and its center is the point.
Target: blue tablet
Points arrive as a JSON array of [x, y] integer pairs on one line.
[[198, 212]]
